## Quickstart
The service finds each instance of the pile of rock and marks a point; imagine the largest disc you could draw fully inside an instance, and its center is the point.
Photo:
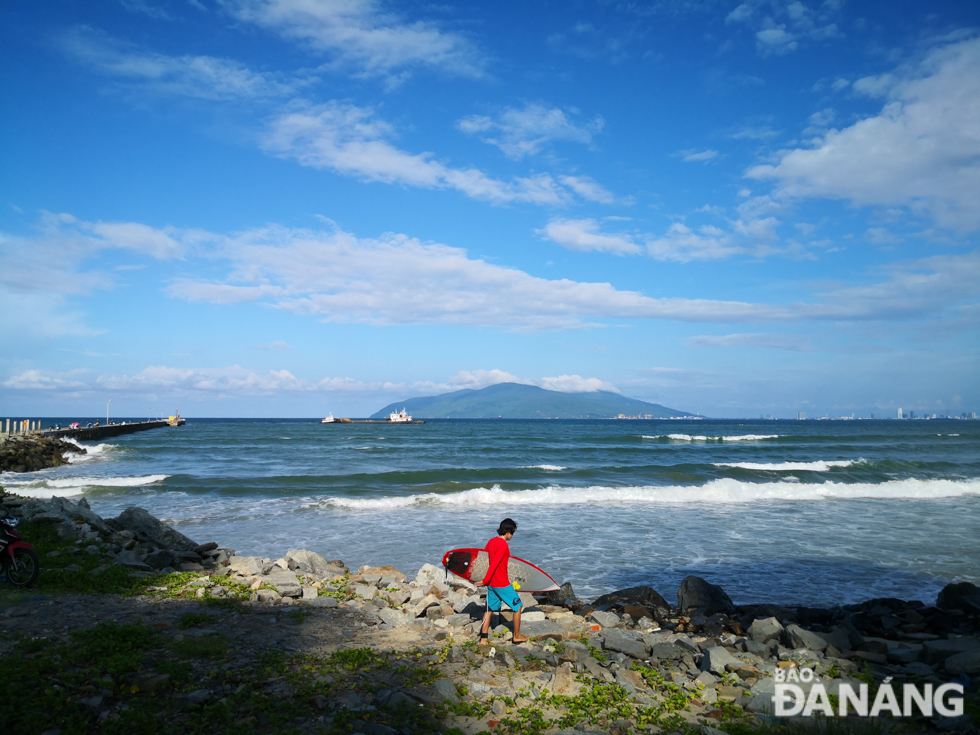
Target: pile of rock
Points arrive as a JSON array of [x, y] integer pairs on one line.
[[31, 453], [135, 539]]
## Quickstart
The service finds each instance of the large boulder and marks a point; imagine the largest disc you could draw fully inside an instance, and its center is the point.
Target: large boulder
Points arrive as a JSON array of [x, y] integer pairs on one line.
[[618, 640], [764, 630], [312, 563], [642, 596], [967, 662], [700, 594], [716, 659], [797, 637], [162, 558], [959, 596], [139, 520]]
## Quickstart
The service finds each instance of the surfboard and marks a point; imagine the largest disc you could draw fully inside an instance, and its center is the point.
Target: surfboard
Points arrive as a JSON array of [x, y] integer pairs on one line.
[[472, 565]]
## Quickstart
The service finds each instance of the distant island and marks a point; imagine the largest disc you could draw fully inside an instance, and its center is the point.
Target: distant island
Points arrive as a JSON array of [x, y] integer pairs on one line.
[[518, 401]]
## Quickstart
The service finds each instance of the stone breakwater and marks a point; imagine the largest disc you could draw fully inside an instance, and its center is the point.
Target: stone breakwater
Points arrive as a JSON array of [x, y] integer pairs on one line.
[[671, 666], [30, 453]]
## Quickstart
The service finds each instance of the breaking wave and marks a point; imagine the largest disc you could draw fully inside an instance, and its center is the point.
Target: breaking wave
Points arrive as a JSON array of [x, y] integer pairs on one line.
[[818, 466], [735, 438], [714, 492]]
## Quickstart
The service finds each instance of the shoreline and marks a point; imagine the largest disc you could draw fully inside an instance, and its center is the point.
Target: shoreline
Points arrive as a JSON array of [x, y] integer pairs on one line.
[[720, 659]]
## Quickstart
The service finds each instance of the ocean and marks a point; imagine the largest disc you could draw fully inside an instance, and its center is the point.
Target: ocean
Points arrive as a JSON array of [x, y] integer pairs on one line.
[[791, 512]]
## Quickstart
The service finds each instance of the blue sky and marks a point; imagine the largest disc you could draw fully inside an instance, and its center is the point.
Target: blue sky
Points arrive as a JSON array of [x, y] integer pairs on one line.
[[293, 207]]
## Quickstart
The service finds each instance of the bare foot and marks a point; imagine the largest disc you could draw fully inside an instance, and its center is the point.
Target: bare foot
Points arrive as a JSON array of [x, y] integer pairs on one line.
[[484, 641], [521, 639]]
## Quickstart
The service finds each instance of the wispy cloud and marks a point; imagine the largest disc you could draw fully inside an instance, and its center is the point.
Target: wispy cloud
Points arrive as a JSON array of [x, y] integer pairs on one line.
[[354, 141], [780, 27], [361, 35], [337, 277], [526, 131], [695, 156], [229, 382], [202, 77], [584, 235], [907, 155], [769, 341]]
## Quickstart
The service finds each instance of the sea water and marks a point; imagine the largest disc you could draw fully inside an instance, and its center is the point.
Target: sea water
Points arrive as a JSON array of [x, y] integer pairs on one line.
[[792, 512]]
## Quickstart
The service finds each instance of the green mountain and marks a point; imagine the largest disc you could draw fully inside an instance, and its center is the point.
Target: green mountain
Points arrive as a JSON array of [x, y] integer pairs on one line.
[[517, 401]]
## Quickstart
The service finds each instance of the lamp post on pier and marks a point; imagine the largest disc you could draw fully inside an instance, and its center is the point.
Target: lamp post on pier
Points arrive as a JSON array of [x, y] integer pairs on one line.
[[107, 412]]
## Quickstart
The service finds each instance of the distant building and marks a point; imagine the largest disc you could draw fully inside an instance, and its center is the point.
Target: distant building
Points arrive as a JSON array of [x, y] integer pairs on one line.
[[801, 416], [899, 413]]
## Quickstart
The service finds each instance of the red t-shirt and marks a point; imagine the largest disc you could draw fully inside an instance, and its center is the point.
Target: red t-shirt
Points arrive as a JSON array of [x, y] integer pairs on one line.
[[499, 553]]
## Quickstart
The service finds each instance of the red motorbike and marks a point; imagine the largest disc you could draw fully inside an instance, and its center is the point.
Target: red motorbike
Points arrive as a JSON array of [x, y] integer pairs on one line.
[[18, 562]]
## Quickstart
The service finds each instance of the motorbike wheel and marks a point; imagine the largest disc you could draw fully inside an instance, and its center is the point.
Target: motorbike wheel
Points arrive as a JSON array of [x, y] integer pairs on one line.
[[23, 569]]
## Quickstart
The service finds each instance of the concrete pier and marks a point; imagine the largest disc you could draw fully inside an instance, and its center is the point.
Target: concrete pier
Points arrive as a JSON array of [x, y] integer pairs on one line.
[[84, 433]]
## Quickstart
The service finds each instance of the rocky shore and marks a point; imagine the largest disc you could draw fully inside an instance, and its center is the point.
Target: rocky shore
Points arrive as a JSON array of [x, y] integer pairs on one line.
[[304, 644], [29, 453]]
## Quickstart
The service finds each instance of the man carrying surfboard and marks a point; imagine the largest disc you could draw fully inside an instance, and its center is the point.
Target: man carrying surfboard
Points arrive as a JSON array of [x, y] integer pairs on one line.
[[497, 582]]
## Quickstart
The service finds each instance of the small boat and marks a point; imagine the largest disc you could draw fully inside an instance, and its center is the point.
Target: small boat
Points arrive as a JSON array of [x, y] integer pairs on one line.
[[328, 419], [401, 417]]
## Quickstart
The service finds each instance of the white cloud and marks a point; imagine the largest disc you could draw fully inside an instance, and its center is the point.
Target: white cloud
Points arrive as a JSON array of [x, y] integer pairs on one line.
[[921, 151], [584, 235], [588, 189], [682, 244], [781, 26], [875, 86], [359, 34], [526, 131], [394, 279], [792, 342], [204, 77], [276, 344], [228, 382], [695, 156], [351, 141], [38, 380], [576, 384]]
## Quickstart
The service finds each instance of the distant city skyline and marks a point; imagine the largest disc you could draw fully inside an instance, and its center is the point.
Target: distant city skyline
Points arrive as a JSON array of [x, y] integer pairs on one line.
[[290, 208]]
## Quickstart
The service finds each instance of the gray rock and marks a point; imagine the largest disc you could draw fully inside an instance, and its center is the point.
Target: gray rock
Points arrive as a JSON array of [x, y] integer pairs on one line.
[[715, 659], [934, 652], [669, 651], [446, 690], [903, 655], [967, 662], [623, 681], [764, 630], [458, 620], [646, 597], [162, 558], [367, 591], [139, 520], [796, 637], [617, 640], [563, 681], [919, 669], [285, 582], [394, 618], [593, 667], [312, 563], [605, 619], [92, 550], [323, 601], [198, 697], [266, 595], [542, 629], [695, 592], [959, 596], [762, 650], [131, 559]]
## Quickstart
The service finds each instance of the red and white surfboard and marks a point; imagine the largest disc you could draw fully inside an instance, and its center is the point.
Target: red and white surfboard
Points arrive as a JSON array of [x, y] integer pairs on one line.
[[472, 565]]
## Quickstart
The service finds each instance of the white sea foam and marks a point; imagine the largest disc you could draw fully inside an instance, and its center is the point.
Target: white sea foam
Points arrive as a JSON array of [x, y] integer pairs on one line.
[[69, 486], [818, 466], [735, 438], [550, 467], [723, 490], [99, 451]]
